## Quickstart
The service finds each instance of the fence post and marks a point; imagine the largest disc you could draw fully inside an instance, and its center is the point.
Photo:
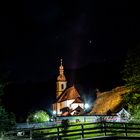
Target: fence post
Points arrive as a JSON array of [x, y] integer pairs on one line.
[[58, 133], [125, 129], [104, 128], [31, 135], [82, 131]]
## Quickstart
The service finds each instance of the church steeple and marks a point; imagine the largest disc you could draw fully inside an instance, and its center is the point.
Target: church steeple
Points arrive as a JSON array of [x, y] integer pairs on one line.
[[61, 80], [66, 97], [61, 68], [61, 76]]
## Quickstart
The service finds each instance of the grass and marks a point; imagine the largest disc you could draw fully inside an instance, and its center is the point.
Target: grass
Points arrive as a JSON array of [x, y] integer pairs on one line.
[[92, 130], [74, 128]]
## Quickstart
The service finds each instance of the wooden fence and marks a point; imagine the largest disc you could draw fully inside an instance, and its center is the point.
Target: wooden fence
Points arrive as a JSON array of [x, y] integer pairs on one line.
[[85, 130]]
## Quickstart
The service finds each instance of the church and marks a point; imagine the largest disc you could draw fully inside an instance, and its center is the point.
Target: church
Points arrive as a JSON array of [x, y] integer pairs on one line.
[[68, 101]]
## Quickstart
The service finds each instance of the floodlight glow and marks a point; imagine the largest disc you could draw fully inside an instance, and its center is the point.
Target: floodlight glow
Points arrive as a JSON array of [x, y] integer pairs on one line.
[[54, 112], [86, 106]]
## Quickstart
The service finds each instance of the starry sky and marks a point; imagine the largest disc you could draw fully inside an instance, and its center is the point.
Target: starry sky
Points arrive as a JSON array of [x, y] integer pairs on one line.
[[87, 34], [36, 34]]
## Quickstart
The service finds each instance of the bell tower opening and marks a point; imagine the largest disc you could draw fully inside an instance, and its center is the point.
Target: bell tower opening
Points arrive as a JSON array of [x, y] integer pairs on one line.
[[62, 86]]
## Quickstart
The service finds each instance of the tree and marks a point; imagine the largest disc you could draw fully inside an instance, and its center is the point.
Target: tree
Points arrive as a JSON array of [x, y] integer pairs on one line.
[[132, 70], [3, 81], [38, 116], [7, 120], [131, 76]]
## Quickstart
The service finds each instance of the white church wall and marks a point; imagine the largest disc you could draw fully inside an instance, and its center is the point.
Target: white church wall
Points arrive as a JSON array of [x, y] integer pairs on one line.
[[75, 105], [68, 103]]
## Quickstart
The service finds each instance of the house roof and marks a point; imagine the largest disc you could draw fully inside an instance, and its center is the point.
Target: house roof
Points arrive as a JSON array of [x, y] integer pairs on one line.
[[68, 94], [78, 108], [66, 113], [123, 111]]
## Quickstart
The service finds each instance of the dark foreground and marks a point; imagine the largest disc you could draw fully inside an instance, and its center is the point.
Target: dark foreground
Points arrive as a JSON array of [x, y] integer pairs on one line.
[[96, 138]]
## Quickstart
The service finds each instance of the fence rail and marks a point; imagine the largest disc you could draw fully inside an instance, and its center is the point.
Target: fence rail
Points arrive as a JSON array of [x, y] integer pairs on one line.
[[83, 130]]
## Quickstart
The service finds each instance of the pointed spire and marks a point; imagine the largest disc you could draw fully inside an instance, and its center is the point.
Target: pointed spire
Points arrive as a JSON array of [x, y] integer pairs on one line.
[[61, 68], [61, 76], [61, 61]]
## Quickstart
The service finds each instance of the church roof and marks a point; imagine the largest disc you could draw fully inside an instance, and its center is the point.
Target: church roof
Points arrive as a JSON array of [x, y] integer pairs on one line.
[[77, 100], [68, 94]]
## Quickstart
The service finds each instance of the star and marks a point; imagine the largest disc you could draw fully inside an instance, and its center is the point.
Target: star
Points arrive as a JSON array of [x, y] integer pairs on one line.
[[90, 41]]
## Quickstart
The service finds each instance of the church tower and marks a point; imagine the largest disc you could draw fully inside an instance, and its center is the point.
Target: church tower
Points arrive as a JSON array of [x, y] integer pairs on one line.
[[61, 83], [68, 100]]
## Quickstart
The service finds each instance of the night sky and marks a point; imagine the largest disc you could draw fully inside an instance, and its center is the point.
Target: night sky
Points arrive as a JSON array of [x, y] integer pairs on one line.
[[91, 36]]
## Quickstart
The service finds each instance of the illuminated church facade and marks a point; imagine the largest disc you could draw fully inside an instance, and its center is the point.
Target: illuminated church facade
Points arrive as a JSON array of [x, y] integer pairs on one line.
[[68, 101]]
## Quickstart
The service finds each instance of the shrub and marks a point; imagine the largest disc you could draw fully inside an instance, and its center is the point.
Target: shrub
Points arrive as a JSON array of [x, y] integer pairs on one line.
[[38, 116]]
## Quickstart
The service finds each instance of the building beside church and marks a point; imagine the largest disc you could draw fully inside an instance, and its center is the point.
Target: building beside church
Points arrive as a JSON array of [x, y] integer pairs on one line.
[[68, 101]]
